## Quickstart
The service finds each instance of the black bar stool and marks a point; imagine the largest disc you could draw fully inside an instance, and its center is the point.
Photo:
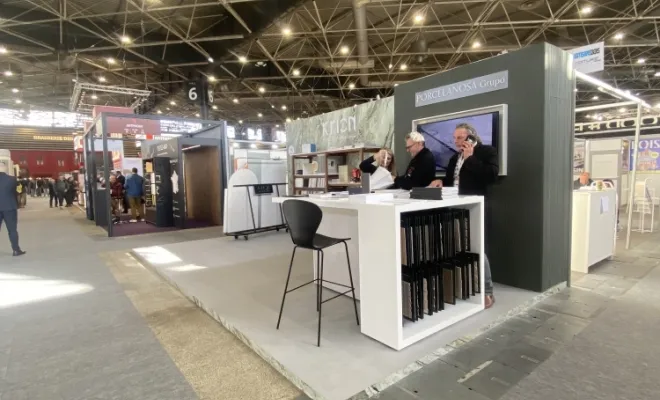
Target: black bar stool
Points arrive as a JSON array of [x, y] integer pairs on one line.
[[303, 219]]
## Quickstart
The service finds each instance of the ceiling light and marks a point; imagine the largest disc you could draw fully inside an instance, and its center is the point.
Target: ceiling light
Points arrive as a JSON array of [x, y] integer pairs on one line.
[[197, 115], [9, 73], [419, 18], [3, 50], [74, 80], [277, 126], [159, 112], [351, 85], [272, 106], [344, 50], [296, 72], [110, 60], [262, 89], [168, 109], [396, 84], [125, 39], [240, 121], [274, 147], [404, 67], [391, 66], [242, 59], [253, 146], [476, 44], [622, 110], [600, 117], [588, 116], [286, 31], [627, 92], [18, 101], [260, 115], [618, 36], [575, 90], [641, 60], [101, 79], [586, 10], [235, 100], [94, 97], [214, 107], [595, 98], [283, 107], [210, 59], [288, 120], [211, 78], [172, 103], [236, 145], [14, 90]]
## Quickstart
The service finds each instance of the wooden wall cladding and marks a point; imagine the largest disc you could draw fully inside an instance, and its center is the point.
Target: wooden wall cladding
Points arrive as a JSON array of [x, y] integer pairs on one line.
[[202, 176]]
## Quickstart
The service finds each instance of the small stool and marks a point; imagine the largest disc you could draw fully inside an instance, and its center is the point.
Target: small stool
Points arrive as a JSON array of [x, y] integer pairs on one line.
[[303, 219]]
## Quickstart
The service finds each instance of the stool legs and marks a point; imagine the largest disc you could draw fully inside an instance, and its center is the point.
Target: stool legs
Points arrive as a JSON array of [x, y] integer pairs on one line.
[[286, 287], [319, 284], [320, 297], [350, 276]]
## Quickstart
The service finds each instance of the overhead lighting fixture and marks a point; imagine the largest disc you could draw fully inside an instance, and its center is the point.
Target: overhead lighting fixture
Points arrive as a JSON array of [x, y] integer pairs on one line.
[[619, 36], [262, 89], [159, 112], [214, 107], [110, 60], [396, 84], [197, 115], [101, 79], [351, 85], [391, 66], [274, 147], [296, 72], [288, 120], [600, 117], [3, 50], [277, 126], [260, 115], [575, 90], [14, 90], [210, 59], [283, 107], [9, 73], [657, 105], [74, 80], [240, 121], [622, 110], [18, 101], [586, 10], [125, 39], [272, 106], [168, 109], [595, 98], [476, 44], [212, 78], [286, 31], [404, 67], [242, 59], [419, 18], [235, 100], [94, 97], [172, 103], [253, 146], [344, 50], [657, 74], [641, 60]]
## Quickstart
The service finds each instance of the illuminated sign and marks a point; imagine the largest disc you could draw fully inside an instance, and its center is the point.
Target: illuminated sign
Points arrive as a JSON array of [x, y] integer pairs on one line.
[[51, 138], [617, 125]]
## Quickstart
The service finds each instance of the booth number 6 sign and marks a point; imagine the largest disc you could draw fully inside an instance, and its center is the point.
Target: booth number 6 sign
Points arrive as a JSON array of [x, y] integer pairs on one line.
[[195, 91]]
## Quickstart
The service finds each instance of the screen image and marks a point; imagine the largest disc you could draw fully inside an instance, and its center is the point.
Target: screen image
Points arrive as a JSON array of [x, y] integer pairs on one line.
[[439, 135]]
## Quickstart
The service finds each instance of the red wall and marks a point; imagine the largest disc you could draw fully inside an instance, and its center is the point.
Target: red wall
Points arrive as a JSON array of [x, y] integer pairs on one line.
[[44, 163]]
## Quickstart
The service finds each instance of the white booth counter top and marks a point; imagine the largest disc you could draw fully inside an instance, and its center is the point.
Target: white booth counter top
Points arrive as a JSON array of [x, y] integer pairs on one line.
[[593, 227], [376, 254]]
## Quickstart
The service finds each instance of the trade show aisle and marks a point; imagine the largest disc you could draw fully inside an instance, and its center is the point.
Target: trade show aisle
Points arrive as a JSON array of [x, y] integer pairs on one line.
[[594, 340], [69, 330]]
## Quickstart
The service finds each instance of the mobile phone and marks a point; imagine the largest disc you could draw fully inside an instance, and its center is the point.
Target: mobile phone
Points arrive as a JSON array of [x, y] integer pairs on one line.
[[471, 139]]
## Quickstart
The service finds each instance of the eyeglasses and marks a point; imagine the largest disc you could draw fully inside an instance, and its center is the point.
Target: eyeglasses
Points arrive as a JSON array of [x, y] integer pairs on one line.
[[411, 146]]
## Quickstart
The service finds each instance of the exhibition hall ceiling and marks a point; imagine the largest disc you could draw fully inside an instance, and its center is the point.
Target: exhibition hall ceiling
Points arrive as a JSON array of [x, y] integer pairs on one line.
[[269, 60]]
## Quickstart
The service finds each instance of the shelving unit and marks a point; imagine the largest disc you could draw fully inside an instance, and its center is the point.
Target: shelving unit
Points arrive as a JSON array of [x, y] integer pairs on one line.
[[322, 158]]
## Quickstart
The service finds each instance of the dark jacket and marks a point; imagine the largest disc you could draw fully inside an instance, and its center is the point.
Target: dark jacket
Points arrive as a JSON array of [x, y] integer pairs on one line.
[[134, 186], [116, 190], [367, 166], [420, 171], [60, 186], [8, 186], [121, 179], [478, 171]]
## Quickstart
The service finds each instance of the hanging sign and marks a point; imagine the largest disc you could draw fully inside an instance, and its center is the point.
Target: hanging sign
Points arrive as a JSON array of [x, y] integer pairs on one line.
[[617, 125], [192, 92], [589, 58], [458, 90]]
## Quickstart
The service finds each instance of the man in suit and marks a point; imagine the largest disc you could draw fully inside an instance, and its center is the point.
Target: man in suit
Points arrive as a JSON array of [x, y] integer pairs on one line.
[[421, 169], [9, 208], [473, 168]]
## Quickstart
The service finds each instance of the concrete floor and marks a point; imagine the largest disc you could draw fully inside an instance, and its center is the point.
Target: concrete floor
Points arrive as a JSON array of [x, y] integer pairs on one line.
[[80, 319]]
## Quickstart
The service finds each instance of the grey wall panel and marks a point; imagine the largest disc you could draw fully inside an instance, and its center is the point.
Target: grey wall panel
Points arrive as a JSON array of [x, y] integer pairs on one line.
[[516, 228]]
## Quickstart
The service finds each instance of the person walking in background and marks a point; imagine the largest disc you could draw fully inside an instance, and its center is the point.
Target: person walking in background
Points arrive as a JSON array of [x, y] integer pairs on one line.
[[122, 179], [9, 208], [472, 169], [60, 190], [51, 192], [134, 191], [117, 198]]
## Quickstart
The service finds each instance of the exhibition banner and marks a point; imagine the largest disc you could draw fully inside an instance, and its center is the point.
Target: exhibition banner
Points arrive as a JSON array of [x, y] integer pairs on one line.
[[589, 58], [458, 90], [126, 126], [649, 155]]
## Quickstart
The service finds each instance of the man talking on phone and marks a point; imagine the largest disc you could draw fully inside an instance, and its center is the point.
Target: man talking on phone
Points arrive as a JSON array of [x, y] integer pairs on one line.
[[473, 168]]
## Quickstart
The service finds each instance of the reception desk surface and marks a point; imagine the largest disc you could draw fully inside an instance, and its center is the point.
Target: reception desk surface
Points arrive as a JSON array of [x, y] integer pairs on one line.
[[375, 250]]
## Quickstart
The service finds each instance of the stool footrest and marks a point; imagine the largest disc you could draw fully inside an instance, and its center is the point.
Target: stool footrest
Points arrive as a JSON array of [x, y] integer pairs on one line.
[[334, 297]]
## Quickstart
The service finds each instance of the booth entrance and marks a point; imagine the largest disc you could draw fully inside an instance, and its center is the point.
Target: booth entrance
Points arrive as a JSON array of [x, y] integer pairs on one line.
[[201, 168]]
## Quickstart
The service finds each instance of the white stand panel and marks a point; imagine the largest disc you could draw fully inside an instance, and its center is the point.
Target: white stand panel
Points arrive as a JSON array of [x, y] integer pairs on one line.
[[593, 228]]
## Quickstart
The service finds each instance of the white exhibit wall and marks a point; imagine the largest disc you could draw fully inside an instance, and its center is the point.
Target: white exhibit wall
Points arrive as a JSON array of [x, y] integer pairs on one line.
[[608, 159]]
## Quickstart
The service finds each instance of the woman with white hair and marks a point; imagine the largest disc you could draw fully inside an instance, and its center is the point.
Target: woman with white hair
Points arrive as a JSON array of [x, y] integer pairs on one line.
[[421, 169]]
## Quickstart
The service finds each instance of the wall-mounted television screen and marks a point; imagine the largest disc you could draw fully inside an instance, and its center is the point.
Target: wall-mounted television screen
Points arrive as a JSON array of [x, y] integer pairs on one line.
[[438, 132]]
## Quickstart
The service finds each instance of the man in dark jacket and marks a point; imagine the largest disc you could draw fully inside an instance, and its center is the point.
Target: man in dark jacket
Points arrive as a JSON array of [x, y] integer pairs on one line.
[[51, 192], [122, 179], [60, 190], [9, 208], [134, 187], [421, 170], [472, 169]]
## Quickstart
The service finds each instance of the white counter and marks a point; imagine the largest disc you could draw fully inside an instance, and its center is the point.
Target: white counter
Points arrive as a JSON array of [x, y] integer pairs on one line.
[[375, 251], [593, 228]]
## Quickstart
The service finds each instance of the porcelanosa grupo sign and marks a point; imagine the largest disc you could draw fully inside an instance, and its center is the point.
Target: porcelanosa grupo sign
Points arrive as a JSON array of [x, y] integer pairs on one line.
[[458, 90]]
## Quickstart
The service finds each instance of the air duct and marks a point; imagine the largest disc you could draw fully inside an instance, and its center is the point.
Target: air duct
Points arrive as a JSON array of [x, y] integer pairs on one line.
[[362, 41]]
